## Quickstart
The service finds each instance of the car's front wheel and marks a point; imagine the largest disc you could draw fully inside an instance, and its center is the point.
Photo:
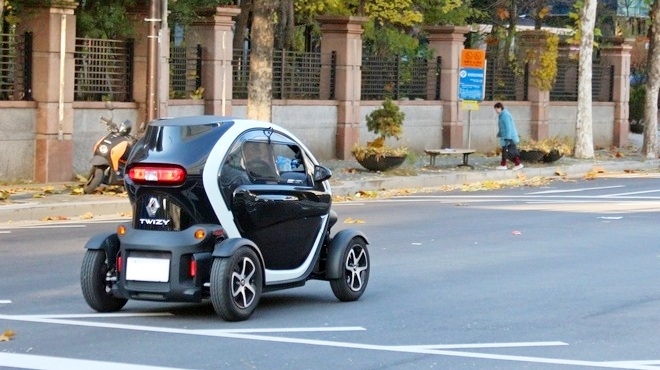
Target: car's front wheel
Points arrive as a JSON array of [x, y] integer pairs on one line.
[[236, 284], [355, 271], [95, 286]]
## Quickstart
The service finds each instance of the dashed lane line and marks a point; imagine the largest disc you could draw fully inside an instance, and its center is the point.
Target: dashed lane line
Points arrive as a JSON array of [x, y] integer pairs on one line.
[[439, 350]]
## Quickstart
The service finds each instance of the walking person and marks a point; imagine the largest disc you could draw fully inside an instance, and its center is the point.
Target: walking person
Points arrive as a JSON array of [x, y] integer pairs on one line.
[[508, 136]]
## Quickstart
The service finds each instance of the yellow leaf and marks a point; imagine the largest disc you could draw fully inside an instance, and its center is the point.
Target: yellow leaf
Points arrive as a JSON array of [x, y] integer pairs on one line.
[[77, 191], [55, 218], [7, 335], [87, 216], [353, 221]]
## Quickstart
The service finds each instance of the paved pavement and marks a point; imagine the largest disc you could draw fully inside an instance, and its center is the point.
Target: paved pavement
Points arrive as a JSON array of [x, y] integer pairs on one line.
[[44, 202]]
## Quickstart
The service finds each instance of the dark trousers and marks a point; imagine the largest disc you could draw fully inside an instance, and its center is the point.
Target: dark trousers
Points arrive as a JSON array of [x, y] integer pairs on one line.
[[505, 155]]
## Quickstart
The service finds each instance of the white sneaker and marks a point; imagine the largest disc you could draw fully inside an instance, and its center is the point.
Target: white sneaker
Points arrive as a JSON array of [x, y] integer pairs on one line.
[[501, 168], [516, 168]]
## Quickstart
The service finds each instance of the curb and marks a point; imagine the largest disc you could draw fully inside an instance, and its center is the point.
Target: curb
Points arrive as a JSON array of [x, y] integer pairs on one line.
[[104, 206], [349, 188]]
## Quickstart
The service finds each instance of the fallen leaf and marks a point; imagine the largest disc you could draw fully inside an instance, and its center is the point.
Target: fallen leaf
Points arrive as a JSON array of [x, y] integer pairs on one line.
[[87, 216], [353, 221], [7, 335], [598, 169], [55, 218]]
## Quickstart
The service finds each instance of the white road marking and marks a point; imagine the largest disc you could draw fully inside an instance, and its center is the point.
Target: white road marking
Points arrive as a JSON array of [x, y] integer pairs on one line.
[[630, 193], [486, 345], [575, 190], [101, 315], [5, 232], [21, 361], [5, 301], [418, 349]]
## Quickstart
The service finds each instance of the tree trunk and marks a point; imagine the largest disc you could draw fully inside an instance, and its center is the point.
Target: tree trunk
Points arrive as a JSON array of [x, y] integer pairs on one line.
[[584, 141], [285, 26], [650, 145], [260, 85], [242, 24]]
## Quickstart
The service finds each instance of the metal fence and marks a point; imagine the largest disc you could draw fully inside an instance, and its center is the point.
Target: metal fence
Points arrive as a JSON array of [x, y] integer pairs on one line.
[[566, 83], [503, 83], [15, 66], [104, 70], [296, 75], [397, 78], [185, 71]]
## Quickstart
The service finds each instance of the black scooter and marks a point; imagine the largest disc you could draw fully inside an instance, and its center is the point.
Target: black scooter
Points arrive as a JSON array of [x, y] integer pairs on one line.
[[110, 154]]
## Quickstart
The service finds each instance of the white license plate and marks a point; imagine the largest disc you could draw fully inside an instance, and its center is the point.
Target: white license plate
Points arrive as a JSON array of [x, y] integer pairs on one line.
[[148, 269]]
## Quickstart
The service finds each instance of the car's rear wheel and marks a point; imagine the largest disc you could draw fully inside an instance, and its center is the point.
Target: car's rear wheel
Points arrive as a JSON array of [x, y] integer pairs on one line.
[[95, 287], [236, 284], [355, 268]]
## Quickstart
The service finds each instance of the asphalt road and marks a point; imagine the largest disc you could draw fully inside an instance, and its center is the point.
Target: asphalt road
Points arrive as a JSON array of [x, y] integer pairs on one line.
[[564, 276]]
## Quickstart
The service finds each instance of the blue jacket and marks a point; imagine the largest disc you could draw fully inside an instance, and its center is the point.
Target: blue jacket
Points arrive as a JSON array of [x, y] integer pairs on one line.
[[507, 128]]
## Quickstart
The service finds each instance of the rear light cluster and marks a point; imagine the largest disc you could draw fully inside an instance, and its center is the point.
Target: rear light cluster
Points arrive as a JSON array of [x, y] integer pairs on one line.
[[157, 174]]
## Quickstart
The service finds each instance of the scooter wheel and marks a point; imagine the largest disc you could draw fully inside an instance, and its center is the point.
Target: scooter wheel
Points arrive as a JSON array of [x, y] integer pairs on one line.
[[93, 180]]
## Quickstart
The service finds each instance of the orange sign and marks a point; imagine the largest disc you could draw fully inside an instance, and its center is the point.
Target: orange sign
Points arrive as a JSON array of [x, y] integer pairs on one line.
[[473, 58]]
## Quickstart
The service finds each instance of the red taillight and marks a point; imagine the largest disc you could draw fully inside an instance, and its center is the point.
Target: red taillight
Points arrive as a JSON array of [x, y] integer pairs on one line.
[[119, 263], [193, 267], [168, 175]]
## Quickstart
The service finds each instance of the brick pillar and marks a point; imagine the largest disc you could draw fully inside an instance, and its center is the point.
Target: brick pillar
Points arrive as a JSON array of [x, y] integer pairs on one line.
[[535, 43], [214, 32], [54, 30], [343, 34], [447, 42], [618, 56]]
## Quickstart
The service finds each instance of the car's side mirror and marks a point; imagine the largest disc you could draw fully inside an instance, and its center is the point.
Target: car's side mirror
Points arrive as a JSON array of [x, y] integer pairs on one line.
[[321, 173]]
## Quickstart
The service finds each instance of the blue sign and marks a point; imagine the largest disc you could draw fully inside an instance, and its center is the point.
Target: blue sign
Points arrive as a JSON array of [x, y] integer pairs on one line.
[[471, 84]]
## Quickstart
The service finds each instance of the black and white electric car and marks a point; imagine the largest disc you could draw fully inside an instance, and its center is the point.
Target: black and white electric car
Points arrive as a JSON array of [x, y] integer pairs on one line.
[[223, 209]]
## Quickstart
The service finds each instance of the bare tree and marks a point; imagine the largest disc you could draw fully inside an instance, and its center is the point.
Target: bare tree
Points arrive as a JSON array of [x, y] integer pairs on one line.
[[260, 85], [584, 141], [650, 145]]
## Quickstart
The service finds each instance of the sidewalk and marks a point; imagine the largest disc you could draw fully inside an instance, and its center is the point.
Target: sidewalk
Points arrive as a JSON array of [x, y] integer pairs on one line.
[[44, 202]]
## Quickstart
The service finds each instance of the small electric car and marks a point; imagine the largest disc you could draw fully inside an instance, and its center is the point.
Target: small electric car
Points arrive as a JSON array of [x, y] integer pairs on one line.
[[223, 209]]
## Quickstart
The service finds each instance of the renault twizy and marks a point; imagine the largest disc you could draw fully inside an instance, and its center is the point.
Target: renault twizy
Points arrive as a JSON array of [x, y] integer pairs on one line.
[[223, 209]]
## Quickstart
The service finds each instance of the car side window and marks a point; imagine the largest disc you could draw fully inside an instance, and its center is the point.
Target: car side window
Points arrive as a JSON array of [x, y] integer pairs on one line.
[[259, 161], [232, 172], [290, 164]]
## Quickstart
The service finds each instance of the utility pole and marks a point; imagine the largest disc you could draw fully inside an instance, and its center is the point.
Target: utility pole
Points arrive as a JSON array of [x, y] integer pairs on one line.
[[153, 42]]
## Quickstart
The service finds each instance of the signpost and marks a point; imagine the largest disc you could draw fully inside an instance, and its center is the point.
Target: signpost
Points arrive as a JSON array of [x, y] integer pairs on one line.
[[471, 81]]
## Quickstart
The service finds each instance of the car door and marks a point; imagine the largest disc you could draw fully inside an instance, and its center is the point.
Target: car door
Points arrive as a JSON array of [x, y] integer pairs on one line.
[[276, 204]]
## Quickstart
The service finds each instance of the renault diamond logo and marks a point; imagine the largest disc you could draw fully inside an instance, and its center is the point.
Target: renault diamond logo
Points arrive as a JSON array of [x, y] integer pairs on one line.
[[152, 207]]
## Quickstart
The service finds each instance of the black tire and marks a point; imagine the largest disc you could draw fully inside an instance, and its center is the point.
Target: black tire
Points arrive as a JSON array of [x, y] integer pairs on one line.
[[355, 266], [236, 284], [95, 288], [94, 179]]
